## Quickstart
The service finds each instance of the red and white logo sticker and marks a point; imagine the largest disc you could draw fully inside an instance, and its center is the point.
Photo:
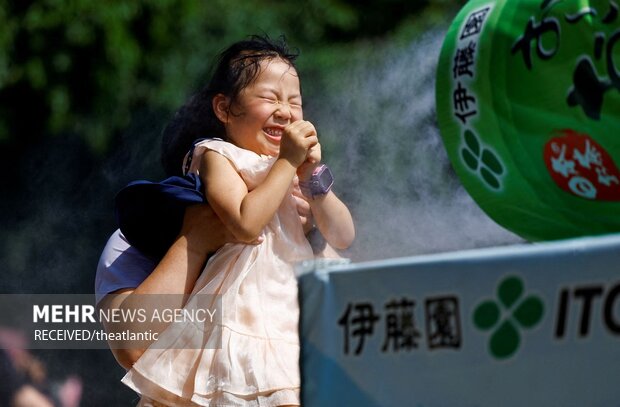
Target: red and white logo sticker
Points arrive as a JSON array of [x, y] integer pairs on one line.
[[580, 166]]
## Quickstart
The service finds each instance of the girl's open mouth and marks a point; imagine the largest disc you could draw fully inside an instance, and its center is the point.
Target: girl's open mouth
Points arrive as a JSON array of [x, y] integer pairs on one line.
[[273, 133]]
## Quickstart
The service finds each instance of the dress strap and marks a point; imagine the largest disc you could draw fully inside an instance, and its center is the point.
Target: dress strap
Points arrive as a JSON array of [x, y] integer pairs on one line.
[[187, 160]]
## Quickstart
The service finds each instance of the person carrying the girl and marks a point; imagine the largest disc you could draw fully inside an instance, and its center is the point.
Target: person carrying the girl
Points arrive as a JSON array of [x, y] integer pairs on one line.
[[263, 151]]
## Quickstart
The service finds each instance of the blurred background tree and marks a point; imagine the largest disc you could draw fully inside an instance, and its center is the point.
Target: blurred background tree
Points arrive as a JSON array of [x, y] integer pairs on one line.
[[86, 88], [83, 68]]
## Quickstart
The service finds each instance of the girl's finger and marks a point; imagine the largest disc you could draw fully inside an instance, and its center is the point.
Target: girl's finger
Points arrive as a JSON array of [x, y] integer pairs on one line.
[[311, 141], [314, 153], [303, 207]]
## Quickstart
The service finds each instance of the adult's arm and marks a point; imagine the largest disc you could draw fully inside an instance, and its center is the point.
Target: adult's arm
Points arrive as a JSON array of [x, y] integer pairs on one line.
[[176, 273]]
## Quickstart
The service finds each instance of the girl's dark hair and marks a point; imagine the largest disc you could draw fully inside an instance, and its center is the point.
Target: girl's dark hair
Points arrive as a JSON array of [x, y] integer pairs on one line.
[[237, 67]]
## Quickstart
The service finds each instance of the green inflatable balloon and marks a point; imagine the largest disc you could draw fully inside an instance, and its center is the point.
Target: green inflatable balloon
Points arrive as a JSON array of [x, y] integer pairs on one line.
[[528, 104]]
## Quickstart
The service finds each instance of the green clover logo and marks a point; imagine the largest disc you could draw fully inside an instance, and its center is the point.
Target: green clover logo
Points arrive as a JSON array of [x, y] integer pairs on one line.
[[482, 161], [507, 315]]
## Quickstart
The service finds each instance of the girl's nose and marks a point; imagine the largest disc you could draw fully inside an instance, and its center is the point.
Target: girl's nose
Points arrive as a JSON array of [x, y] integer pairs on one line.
[[283, 111]]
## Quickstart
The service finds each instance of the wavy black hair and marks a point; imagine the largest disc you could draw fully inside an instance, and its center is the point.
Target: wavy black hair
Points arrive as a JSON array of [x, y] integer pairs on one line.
[[237, 67]]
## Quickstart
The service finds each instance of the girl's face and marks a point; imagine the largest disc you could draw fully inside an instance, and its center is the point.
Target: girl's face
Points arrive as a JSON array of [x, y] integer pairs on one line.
[[264, 108]]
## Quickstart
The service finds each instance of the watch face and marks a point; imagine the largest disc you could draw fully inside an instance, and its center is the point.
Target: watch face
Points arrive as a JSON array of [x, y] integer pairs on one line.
[[326, 179]]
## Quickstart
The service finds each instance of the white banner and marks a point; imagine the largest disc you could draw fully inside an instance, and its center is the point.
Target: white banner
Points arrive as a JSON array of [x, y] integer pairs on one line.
[[531, 325]]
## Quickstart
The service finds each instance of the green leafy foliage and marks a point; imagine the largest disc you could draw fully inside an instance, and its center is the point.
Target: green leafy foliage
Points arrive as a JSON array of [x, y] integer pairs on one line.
[[83, 68]]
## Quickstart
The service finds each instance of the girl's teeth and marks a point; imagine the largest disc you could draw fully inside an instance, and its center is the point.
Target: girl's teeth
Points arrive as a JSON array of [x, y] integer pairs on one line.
[[274, 133]]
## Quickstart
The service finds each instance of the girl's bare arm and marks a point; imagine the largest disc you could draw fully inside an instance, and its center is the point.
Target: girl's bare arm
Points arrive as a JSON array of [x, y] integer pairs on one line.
[[245, 213], [333, 219], [331, 215]]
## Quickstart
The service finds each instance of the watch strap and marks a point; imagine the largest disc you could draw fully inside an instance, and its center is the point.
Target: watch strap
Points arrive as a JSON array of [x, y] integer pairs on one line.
[[314, 187]]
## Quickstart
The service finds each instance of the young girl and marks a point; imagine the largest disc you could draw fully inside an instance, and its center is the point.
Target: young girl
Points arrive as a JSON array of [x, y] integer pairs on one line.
[[250, 177]]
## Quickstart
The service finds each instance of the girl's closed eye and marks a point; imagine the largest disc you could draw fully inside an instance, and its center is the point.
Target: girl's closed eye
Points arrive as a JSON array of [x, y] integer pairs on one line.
[[296, 105], [270, 98], [294, 102]]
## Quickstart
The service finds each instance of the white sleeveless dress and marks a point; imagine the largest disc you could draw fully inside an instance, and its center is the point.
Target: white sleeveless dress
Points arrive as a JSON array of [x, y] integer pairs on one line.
[[258, 362]]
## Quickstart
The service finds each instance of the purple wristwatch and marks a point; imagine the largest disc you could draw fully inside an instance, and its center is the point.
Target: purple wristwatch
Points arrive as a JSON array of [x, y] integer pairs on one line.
[[320, 182]]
